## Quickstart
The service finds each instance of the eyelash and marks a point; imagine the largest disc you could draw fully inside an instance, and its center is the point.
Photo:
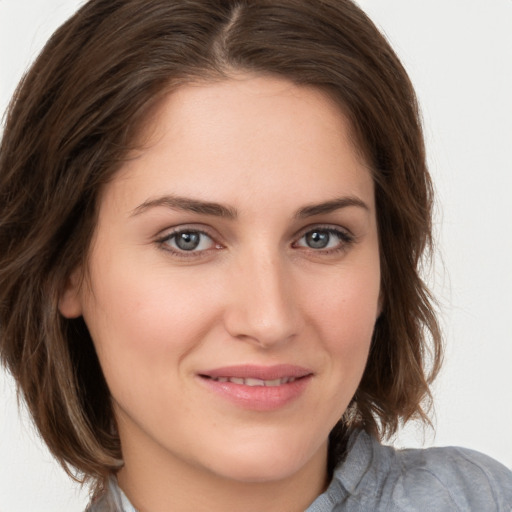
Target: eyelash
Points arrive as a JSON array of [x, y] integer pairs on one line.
[[163, 242], [345, 241]]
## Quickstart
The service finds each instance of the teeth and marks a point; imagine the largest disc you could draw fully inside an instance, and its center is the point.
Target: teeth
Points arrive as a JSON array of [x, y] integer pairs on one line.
[[255, 382]]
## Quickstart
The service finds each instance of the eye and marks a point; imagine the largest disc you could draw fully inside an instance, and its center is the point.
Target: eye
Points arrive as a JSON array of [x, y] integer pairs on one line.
[[324, 239], [187, 241]]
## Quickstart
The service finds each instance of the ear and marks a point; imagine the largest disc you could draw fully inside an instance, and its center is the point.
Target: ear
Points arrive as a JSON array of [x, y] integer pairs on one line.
[[70, 300]]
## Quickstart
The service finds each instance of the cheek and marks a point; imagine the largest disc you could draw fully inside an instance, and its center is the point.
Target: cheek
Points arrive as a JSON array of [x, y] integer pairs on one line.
[[345, 313], [142, 331], [348, 303], [145, 316]]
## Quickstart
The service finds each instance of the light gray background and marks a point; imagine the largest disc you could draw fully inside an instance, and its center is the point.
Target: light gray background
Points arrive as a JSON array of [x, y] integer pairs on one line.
[[459, 56]]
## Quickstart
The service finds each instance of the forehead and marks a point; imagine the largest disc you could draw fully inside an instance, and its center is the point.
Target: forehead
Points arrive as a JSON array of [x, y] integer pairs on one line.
[[245, 134], [259, 104]]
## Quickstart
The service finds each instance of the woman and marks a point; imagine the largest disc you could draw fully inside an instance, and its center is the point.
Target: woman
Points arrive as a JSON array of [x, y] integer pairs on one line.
[[214, 213]]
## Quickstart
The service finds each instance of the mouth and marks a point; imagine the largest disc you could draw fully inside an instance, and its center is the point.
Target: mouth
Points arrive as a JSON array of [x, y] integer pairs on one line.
[[260, 388], [253, 381], [256, 375]]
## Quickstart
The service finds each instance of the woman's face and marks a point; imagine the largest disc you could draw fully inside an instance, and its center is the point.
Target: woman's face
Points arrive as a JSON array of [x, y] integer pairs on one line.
[[233, 281]]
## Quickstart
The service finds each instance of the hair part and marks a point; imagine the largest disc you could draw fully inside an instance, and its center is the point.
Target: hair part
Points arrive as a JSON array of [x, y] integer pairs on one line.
[[72, 123]]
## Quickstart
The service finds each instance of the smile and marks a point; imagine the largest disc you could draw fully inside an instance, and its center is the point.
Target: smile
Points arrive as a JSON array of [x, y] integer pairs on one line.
[[255, 382], [258, 388]]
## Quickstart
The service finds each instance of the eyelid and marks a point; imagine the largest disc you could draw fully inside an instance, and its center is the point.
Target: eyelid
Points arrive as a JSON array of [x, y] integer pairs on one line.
[[167, 234], [347, 238], [325, 227]]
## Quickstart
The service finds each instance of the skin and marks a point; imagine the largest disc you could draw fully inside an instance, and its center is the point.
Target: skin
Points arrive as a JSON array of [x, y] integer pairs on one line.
[[253, 292]]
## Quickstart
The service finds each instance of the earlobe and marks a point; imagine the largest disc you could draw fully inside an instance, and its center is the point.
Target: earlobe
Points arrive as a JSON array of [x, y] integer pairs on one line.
[[70, 303]]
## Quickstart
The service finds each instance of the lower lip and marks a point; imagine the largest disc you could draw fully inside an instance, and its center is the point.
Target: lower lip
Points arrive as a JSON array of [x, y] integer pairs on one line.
[[259, 398]]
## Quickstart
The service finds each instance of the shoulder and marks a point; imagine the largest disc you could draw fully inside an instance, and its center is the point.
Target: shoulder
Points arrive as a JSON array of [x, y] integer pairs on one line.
[[112, 499], [375, 477], [463, 478]]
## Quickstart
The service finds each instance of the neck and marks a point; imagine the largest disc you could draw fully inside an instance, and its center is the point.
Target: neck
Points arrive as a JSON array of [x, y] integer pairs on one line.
[[154, 485]]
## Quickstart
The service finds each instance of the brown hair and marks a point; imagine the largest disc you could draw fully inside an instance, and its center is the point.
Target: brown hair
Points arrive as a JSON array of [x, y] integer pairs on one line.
[[71, 123]]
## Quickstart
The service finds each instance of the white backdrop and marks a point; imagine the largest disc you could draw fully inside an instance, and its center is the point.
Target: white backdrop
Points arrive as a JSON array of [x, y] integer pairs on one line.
[[459, 56]]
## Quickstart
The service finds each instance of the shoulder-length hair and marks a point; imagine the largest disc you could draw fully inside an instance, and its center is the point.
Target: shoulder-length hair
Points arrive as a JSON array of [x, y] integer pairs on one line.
[[75, 116]]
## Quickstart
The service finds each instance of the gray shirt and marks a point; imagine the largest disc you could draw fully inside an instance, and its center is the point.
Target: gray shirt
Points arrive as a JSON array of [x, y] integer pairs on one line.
[[378, 478]]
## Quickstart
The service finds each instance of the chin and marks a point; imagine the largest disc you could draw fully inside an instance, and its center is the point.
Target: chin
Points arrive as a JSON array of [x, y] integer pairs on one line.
[[269, 463]]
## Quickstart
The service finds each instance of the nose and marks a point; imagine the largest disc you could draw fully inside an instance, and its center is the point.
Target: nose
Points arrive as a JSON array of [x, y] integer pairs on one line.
[[262, 307]]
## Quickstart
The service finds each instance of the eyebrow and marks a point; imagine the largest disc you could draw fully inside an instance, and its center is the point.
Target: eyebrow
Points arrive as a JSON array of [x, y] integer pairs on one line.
[[228, 212], [187, 204], [330, 206]]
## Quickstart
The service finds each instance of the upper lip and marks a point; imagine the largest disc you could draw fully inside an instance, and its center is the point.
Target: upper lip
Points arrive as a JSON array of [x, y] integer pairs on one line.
[[248, 371]]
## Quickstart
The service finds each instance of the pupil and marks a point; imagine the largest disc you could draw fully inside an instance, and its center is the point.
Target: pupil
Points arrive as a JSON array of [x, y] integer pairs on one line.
[[187, 241], [317, 239]]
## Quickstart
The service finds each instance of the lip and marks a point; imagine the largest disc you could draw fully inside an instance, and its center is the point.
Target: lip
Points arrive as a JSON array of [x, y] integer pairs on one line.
[[258, 397]]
